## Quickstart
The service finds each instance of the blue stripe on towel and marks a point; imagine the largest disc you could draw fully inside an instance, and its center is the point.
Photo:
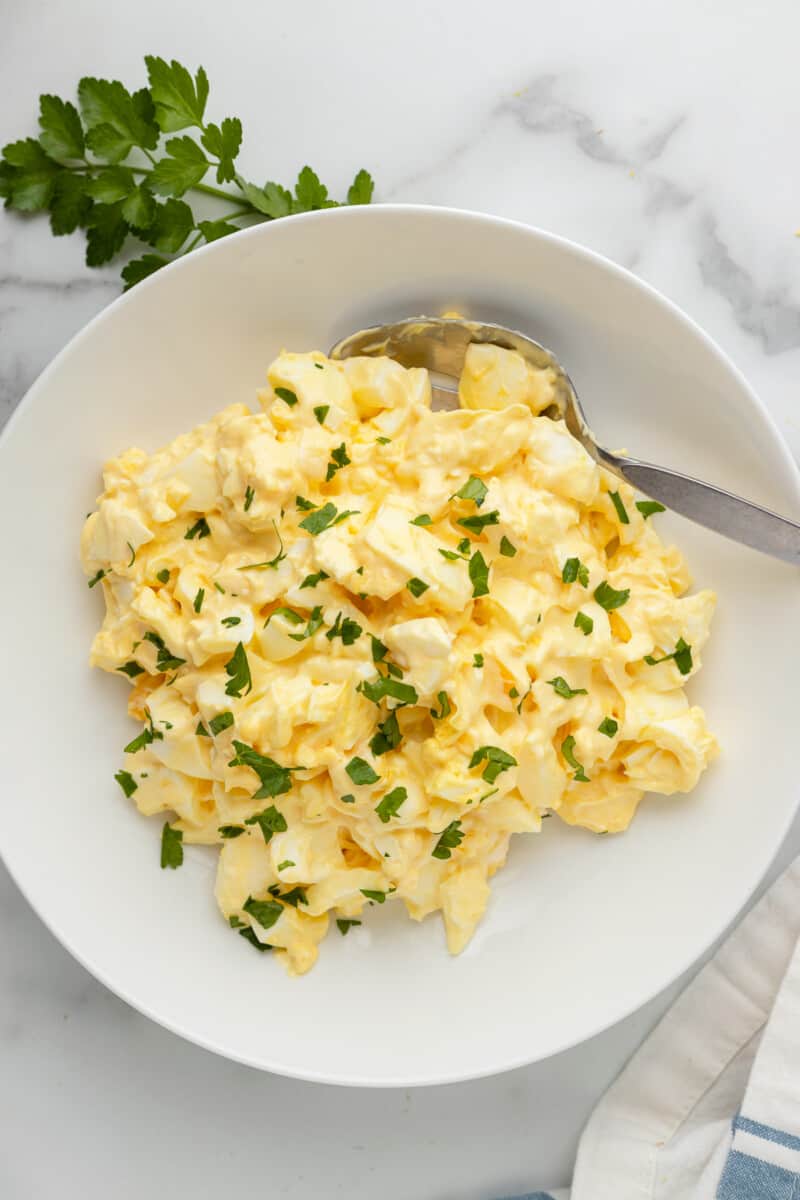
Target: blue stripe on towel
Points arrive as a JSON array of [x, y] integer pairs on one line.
[[767, 1132], [747, 1178]]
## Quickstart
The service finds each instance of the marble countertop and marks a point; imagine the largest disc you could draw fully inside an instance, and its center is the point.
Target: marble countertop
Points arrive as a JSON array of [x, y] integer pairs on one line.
[[663, 138]]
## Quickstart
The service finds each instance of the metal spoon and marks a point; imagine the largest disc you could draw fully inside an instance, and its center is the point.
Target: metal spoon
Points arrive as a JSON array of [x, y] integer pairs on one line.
[[440, 344]]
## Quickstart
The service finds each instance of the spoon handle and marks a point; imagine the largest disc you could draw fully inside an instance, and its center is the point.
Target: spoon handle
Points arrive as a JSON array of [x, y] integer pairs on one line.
[[721, 511]]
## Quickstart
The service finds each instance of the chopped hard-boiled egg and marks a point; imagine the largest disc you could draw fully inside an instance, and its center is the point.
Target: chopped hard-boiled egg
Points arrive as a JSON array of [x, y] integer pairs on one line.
[[368, 642]]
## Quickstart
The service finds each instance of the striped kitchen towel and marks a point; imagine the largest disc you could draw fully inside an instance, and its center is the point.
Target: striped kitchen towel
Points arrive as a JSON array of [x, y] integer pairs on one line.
[[709, 1106]]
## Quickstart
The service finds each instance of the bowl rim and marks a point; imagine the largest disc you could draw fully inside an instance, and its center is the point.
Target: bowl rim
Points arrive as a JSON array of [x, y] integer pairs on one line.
[[577, 250]]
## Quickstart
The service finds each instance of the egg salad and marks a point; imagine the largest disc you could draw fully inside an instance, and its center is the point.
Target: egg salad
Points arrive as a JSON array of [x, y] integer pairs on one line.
[[367, 641]]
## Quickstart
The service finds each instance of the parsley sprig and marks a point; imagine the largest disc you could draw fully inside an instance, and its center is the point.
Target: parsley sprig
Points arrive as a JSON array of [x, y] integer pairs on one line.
[[105, 167]]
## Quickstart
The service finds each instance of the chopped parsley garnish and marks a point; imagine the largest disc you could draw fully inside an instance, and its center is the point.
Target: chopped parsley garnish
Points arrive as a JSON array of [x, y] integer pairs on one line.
[[201, 730], [249, 936], [417, 586], [568, 750], [474, 489], [132, 559], [126, 782], [200, 529], [287, 395], [275, 779], [287, 862], [101, 574], [479, 575], [221, 721], [313, 624], [444, 707], [477, 660], [230, 831], [339, 459], [622, 511], [507, 548], [163, 576], [478, 523], [219, 587], [198, 600], [378, 897], [270, 821], [345, 924], [148, 735], [303, 504], [171, 847], [231, 621], [346, 629], [296, 895], [648, 507], [387, 737], [320, 366], [562, 688], [266, 912], [390, 804], [238, 669], [236, 923], [249, 497], [379, 651], [383, 441], [131, 669], [496, 760], [393, 669], [271, 563], [378, 689], [513, 694], [449, 839], [609, 598], [348, 799], [422, 519], [321, 410], [608, 726], [525, 697], [311, 581], [361, 772], [574, 570], [325, 517], [165, 660], [451, 555], [682, 654], [288, 614], [584, 623]]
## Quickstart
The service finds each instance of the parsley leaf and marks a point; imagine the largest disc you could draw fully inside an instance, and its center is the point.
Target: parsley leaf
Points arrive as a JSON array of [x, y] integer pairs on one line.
[[223, 142], [61, 131], [479, 522], [287, 862], [574, 570], [238, 670], [348, 630], [311, 581], [584, 623], [609, 598], [101, 574], [387, 737], [249, 497], [221, 721], [163, 576], [608, 726], [171, 847], [568, 751], [325, 517], [390, 804], [361, 189], [479, 574], [126, 782], [562, 688], [449, 840], [266, 912], [507, 548], [339, 459], [378, 897], [345, 924], [496, 760], [275, 779], [270, 821], [321, 410], [648, 507], [201, 730], [422, 519], [474, 489], [179, 100], [165, 660], [287, 395], [131, 669], [304, 504], [622, 511], [682, 654], [200, 529], [361, 772], [198, 600], [249, 936], [348, 799], [477, 660], [417, 586], [377, 689], [313, 624], [271, 563], [444, 707], [231, 621], [230, 831], [379, 651]]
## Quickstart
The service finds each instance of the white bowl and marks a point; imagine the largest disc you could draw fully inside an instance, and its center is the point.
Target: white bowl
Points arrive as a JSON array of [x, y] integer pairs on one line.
[[580, 929]]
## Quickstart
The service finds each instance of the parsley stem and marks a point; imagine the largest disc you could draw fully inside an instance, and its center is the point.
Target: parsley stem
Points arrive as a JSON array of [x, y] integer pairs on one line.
[[198, 237]]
